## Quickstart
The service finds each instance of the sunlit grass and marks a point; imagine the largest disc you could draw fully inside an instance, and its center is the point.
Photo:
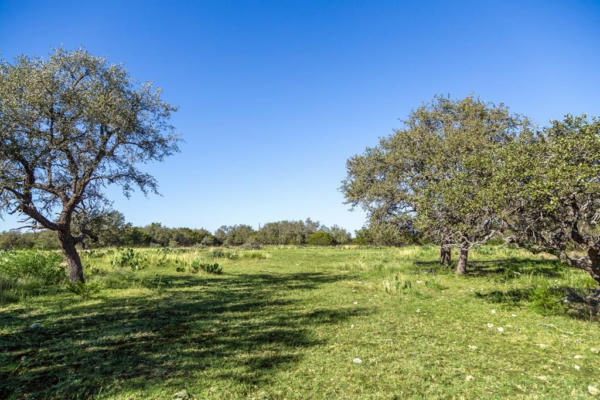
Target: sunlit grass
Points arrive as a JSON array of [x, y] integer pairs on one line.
[[287, 323]]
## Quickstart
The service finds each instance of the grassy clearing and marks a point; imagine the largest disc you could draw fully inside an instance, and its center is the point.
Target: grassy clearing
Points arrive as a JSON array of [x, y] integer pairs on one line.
[[287, 323]]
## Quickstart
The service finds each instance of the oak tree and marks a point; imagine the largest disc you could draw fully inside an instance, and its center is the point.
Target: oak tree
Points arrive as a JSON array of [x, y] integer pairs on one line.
[[70, 125], [548, 191]]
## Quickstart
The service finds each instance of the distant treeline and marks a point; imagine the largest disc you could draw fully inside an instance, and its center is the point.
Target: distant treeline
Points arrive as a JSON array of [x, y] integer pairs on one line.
[[114, 231]]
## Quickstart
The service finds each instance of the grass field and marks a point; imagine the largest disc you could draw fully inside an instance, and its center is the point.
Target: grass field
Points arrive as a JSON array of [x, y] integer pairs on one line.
[[304, 323]]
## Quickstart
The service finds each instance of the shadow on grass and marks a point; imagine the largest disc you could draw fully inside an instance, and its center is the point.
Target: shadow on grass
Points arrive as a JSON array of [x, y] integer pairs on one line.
[[557, 300], [504, 269], [239, 328]]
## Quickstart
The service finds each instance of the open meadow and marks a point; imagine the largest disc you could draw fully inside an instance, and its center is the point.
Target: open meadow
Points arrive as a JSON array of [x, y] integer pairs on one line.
[[297, 323]]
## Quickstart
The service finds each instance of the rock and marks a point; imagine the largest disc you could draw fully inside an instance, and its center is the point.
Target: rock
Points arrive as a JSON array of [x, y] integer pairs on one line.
[[35, 325], [469, 378], [595, 350], [593, 390], [357, 361], [182, 395]]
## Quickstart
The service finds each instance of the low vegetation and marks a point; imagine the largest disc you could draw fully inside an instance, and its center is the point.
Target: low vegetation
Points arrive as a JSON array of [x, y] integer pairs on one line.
[[300, 322]]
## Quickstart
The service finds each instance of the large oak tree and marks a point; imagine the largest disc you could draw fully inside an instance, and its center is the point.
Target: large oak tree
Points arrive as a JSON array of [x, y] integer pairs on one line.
[[70, 125], [548, 192], [434, 173]]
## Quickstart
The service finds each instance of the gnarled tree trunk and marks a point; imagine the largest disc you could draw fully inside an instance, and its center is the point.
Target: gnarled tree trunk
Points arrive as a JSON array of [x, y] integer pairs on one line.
[[445, 254], [67, 242], [461, 267]]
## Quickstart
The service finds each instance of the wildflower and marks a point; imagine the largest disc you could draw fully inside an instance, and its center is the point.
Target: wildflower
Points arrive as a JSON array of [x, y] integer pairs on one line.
[[493, 311], [577, 367]]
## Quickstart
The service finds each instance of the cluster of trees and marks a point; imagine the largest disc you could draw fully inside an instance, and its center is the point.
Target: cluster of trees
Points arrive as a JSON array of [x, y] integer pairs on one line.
[[112, 230], [461, 172]]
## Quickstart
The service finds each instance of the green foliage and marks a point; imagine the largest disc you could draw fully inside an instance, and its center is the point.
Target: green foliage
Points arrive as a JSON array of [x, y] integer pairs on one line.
[[209, 268], [547, 301], [363, 237], [129, 258], [218, 253], [321, 238], [548, 191], [84, 290], [32, 264], [432, 178]]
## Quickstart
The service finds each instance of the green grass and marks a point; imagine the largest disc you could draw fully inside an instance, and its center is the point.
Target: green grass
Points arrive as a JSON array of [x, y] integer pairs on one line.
[[286, 323]]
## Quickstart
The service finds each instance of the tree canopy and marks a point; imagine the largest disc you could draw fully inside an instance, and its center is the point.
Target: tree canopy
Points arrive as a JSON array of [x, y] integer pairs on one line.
[[69, 126]]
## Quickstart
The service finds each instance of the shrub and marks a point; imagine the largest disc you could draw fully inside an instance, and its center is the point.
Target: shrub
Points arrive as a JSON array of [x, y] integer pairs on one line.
[[27, 264], [321, 238], [218, 253], [128, 258], [210, 268]]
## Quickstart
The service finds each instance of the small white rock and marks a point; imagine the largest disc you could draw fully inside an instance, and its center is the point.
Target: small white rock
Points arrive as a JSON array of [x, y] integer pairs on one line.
[[352, 326], [357, 361], [541, 345], [469, 378], [471, 347], [593, 390], [595, 350], [578, 357], [355, 303], [490, 325], [493, 311], [418, 310], [513, 315], [577, 367], [35, 325], [500, 329]]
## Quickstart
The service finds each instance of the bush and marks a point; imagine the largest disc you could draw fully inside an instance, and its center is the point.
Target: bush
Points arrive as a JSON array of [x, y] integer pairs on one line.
[[27, 264], [210, 268], [321, 238], [128, 258], [218, 253]]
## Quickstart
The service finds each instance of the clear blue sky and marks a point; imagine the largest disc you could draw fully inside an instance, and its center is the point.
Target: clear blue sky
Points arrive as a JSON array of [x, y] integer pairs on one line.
[[275, 96]]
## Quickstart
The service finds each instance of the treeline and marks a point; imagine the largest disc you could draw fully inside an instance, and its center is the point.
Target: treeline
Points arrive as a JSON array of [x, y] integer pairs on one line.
[[114, 231], [461, 172]]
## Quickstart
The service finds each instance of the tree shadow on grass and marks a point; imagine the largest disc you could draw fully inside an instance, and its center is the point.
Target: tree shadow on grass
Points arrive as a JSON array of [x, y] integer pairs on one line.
[[555, 300], [238, 328], [503, 269]]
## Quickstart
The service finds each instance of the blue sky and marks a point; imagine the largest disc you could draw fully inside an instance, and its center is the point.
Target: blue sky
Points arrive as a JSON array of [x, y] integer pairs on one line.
[[274, 96]]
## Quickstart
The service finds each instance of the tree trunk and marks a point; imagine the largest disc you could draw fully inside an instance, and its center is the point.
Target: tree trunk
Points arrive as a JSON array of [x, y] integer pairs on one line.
[[461, 267], [445, 254], [594, 266], [67, 242]]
